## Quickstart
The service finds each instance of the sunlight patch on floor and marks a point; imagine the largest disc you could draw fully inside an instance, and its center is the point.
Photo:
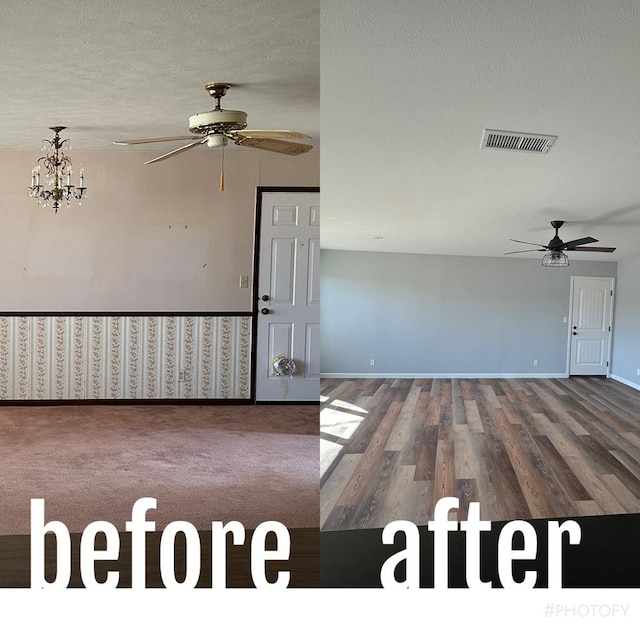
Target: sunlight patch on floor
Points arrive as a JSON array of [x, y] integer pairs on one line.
[[339, 423], [329, 451], [347, 405]]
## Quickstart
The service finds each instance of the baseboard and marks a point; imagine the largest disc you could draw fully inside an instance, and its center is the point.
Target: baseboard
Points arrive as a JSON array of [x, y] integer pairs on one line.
[[126, 402], [287, 402], [444, 375], [634, 385]]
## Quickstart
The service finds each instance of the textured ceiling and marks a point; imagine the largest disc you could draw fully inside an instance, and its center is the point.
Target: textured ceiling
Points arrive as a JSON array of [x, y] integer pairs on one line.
[[408, 88], [114, 70]]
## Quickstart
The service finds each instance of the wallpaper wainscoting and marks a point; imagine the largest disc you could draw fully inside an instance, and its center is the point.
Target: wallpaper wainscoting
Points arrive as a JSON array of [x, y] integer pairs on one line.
[[125, 357]]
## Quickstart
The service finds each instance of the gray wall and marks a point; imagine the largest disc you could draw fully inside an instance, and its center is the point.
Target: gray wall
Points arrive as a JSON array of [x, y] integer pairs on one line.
[[626, 338], [427, 314]]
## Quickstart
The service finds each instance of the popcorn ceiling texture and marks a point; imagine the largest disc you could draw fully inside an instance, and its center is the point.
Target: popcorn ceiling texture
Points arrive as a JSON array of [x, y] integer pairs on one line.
[[117, 70]]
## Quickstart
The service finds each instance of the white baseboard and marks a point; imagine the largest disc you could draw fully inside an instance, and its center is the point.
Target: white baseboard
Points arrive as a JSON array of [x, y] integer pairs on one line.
[[635, 385], [444, 375]]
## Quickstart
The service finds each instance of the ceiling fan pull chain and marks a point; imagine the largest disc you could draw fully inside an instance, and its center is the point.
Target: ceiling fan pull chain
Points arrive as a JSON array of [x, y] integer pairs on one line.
[[222, 172]]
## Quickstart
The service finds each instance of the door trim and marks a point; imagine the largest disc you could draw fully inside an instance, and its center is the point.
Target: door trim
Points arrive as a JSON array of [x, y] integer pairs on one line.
[[610, 342], [260, 191]]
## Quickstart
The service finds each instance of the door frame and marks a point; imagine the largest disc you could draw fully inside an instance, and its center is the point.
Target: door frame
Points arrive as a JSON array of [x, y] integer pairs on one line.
[[255, 293], [570, 318]]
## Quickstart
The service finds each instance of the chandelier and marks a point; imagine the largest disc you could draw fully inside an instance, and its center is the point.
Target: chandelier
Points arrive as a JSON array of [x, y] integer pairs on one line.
[[54, 169]]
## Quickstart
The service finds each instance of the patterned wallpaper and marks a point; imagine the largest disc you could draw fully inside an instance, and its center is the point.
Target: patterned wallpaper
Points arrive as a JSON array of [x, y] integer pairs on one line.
[[125, 357]]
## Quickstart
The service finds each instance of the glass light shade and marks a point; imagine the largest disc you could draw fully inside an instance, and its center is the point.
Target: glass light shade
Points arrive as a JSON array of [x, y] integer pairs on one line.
[[555, 259]]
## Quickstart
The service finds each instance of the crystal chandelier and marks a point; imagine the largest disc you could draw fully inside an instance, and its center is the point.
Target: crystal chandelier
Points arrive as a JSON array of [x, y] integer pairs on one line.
[[56, 166]]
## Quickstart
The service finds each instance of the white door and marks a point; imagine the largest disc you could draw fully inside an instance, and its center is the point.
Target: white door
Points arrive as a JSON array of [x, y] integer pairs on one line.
[[288, 292], [590, 329]]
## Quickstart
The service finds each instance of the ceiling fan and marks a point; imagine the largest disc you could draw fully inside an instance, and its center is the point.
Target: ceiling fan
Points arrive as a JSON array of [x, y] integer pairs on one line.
[[216, 127], [557, 246]]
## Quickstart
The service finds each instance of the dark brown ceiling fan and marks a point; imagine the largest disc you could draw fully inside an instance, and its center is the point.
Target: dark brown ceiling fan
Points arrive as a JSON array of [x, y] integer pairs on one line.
[[557, 245]]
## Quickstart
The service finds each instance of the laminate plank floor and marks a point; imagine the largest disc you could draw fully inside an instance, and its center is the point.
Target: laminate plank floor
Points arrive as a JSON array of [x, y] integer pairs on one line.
[[522, 448]]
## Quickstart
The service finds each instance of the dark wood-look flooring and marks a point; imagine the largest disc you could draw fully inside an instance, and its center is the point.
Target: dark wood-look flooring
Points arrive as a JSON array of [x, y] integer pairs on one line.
[[522, 448], [303, 564]]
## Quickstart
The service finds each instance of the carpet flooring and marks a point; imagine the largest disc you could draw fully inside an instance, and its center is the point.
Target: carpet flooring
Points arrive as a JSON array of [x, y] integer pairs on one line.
[[201, 463]]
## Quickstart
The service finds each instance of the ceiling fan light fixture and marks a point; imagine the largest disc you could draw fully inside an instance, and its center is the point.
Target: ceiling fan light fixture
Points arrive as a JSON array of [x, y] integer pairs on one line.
[[216, 140], [555, 259]]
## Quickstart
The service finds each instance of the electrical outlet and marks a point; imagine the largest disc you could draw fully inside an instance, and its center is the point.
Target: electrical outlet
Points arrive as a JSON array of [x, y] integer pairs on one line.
[[638, 372], [372, 362], [535, 363], [181, 375], [244, 282]]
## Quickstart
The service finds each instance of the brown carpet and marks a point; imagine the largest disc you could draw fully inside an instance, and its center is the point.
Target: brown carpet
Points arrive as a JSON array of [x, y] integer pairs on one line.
[[201, 463]]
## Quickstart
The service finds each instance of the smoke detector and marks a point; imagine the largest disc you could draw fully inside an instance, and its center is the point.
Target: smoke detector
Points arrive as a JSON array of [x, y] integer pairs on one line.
[[516, 141]]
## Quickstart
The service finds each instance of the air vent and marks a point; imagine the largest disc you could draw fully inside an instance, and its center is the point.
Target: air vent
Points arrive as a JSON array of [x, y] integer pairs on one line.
[[514, 141]]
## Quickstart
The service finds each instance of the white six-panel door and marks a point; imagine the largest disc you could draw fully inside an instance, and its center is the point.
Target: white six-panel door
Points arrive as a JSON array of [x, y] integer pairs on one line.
[[591, 325], [288, 319]]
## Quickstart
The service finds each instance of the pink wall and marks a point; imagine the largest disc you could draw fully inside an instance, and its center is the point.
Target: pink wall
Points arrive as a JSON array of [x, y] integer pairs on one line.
[[148, 238]]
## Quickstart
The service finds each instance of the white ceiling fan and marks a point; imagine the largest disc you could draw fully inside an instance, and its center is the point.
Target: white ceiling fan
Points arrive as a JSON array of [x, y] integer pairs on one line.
[[216, 127]]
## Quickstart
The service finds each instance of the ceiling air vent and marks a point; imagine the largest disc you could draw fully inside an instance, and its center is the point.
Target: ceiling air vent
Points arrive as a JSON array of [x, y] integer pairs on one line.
[[514, 141]]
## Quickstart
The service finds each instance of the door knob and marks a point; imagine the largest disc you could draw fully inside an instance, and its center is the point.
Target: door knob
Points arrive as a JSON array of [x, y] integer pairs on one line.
[[265, 297], [575, 333], [265, 311]]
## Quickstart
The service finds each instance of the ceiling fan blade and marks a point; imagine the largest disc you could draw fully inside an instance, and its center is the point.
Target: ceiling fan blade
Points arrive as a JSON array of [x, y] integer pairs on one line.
[[535, 244], [177, 151], [274, 133], [279, 146], [594, 249], [523, 251], [146, 140], [575, 243]]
